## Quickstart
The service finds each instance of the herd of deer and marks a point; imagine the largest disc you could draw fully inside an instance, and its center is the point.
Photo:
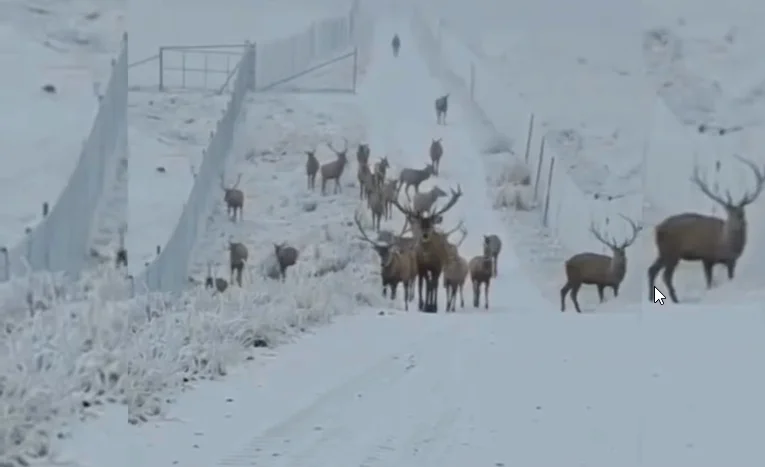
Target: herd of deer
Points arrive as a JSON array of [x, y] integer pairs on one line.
[[427, 253], [688, 236]]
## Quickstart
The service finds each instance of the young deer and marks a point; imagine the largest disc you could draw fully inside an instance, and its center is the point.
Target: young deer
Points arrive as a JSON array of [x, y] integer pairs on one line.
[[424, 201], [397, 265], [237, 259], [381, 170], [436, 152], [698, 237], [480, 273], [362, 154], [377, 206], [233, 197], [217, 283], [286, 256], [334, 170], [311, 169], [366, 181], [597, 269], [442, 106], [455, 274], [414, 177], [495, 248], [390, 190]]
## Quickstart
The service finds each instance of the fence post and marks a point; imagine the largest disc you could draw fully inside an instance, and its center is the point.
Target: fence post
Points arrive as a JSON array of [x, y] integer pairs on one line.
[[472, 81], [355, 68], [545, 211], [528, 138], [161, 68], [539, 169]]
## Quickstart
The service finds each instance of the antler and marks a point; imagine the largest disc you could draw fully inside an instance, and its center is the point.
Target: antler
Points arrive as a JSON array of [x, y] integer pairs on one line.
[[238, 179], [455, 197], [329, 144], [635, 231], [223, 181], [460, 226], [759, 176], [612, 242], [703, 185], [364, 235]]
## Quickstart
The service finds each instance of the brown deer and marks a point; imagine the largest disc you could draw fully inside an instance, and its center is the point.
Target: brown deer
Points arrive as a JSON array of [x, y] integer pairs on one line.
[[455, 274], [237, 259], [436, 152], [397, 265], [311, 169], [432, 249], [597, 269], [480, 274], [334, 170], [698, 237], [233, 197]]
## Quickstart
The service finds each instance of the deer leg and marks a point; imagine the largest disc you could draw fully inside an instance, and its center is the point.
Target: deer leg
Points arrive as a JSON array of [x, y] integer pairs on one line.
[[601, 288], [385, 289], [708, 265], [323, 186], [462, 297], [575, 295], [486, 294], [653, 271], [406, 296], [563, 291], [496, 265], [731, 265], [669, 271], [476, 293], [616, 289], [420, 279], [239, 275]]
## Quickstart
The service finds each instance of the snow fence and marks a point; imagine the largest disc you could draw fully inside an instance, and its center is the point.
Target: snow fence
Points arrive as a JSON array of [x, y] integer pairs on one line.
[[564, 208], [62, 241], [260, 65]]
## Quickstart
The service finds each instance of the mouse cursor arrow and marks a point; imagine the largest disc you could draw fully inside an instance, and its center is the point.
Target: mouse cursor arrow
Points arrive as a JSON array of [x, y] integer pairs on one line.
[[658, 297]]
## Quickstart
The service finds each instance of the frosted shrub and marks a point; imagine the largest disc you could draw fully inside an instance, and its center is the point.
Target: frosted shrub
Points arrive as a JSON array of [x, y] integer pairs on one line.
[[58, 362], [518, 197]]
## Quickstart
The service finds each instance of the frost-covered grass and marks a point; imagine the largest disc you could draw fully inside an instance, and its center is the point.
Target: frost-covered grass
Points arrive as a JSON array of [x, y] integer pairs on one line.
[[60, 357]]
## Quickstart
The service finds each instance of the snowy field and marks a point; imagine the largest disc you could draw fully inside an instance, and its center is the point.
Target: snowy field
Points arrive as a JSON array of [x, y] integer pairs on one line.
[[589, 95], [171, 129], [67, 45]]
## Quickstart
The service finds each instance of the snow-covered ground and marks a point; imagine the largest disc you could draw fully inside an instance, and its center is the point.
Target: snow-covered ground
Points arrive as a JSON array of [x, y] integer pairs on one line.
[[490, 389], [171, 129], [68, 45], [589, 95]]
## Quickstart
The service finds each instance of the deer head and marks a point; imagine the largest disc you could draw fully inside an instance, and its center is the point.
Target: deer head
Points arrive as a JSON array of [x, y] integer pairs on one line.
[[425, 222]]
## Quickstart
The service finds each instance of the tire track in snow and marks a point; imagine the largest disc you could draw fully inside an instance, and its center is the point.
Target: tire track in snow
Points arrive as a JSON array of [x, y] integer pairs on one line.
[[352, 406]]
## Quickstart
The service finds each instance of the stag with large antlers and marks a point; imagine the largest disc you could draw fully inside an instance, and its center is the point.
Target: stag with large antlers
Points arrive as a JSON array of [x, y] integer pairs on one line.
[[334, 170], [698, 237], [597, 269], [397, 265], [432, 249]]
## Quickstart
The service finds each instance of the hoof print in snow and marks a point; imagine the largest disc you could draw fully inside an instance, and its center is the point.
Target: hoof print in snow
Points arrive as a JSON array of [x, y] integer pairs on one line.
[[49, 88], [161, 169]]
